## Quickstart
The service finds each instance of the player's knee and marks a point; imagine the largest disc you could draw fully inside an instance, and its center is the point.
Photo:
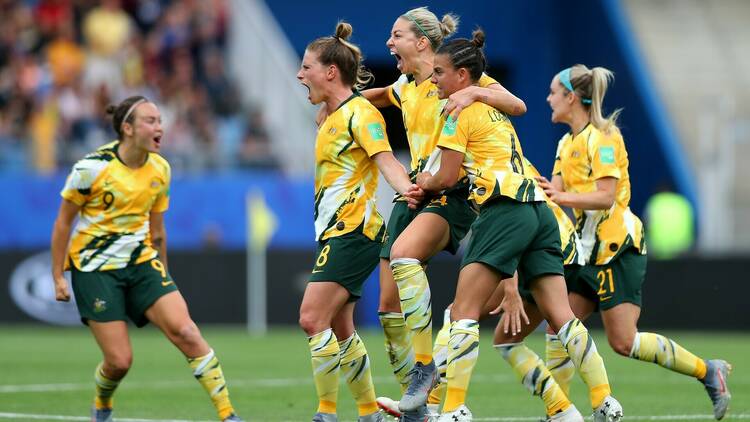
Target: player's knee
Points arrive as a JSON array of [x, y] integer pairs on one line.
[[621, 346], [399, 250], [117, 365], [310, 323], [187, 333]]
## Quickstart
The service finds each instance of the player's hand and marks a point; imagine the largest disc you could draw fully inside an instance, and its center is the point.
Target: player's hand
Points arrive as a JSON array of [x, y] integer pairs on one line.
[[414, 196], [62, 293], [549, 189], [422, 177], [458, 101], [512, 313]]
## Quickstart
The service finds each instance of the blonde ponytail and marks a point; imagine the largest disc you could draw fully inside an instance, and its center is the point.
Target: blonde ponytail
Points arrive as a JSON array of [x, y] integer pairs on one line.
[[590, 85]]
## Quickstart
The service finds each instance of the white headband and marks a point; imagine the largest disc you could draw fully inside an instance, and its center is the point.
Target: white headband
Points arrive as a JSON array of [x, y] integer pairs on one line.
[[130, 110]]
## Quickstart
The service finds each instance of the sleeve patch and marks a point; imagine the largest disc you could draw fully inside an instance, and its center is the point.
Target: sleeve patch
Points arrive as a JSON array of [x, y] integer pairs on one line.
[[449, 128], [376, 131], [607, 155]]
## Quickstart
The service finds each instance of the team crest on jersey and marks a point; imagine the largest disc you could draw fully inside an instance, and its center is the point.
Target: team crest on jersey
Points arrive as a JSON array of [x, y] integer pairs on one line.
[[100, 305], [575, 154], [431, 93], [332, 130], [155, 183]]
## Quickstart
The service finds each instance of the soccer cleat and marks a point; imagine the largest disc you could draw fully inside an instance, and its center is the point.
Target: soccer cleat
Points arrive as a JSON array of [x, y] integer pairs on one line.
[[325, 417], [232, 418], [389, 406], [462, 414], [372, 417], [609, 411], [571, 414], [101, 415], [715, 382], [419, 415], [423, 379]]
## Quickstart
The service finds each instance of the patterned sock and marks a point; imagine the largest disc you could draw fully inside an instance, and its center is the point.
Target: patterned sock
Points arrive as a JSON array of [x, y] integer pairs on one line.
[[589, 364], [440, 354], [355, 367], [324, 352], [414, 291], [105, 388], [207, 370], [651, 347], [398, 346], [559, 363], [532, 373], [463, 352]]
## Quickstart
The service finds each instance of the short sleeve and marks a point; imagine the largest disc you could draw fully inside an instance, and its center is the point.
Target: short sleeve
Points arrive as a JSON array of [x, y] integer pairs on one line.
[[603, 151], [161, 204], [369, 130], [455, 134], [77, 187]]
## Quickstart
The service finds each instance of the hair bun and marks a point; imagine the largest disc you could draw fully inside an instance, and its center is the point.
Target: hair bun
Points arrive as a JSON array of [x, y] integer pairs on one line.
[[477, 38], [111, 109], [343, 30]]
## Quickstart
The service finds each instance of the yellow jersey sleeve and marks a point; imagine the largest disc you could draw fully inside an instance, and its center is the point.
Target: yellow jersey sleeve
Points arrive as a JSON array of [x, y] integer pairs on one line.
[[161, 203], [486, 80], [368, 127], [455, 134], [605, 151]]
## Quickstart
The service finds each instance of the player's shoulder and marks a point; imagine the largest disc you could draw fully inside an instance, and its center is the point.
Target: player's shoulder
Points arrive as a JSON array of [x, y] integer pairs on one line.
[[98, 159], [160, 163]]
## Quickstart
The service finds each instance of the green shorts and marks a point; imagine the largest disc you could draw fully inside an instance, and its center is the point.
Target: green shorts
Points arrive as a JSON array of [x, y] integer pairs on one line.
[[571, 275], [347, 260], [511, 235], [618, 282], [454, 207], [113, 295]]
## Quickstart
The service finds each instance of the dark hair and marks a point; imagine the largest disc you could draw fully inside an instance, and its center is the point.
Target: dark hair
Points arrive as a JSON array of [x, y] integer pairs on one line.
[[346, 56], [120, 111], [467, 53]]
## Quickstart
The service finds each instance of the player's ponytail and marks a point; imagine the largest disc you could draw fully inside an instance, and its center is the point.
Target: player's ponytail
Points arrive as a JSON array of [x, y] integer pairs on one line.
[[590, 85], [467, 53], [424, 23]]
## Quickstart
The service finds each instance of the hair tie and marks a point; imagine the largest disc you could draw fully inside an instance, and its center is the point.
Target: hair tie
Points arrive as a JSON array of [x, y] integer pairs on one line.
[[408, 16], [130, 110], [564, 77]]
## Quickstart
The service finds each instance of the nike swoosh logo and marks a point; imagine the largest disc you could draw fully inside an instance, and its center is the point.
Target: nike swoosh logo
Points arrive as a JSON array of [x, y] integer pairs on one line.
[[605, 298], [317, 271], [167, 283]]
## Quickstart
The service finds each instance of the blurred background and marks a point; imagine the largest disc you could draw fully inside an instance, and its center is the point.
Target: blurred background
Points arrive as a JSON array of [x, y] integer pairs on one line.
[[239, 135]]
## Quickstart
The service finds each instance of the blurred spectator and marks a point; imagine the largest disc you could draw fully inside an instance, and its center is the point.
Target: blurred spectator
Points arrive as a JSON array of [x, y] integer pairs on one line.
[[670, 225], [63, 61]]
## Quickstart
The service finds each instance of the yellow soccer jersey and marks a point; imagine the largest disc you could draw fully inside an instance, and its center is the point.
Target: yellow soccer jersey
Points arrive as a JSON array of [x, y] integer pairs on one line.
[[570, 243], [421, 111], [346, 179], [580, 161], [113, 226], [493, 158]]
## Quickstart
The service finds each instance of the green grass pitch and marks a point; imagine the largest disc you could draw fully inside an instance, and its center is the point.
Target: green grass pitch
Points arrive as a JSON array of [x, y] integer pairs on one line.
[[46, 374]]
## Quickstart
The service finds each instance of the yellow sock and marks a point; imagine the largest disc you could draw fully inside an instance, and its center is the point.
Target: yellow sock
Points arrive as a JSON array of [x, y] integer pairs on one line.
[[398, 346], [105, 388], [207, 371], [416, 304], [440, 355], [559, 363], [589, 364], [532, 373], [355, 366], [463, 352], [324, 352], [651, 347]]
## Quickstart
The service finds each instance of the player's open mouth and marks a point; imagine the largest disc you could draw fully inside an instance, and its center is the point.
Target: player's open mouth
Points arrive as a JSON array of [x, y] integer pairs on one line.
[[157, 139], [308, 89], [397, 56]]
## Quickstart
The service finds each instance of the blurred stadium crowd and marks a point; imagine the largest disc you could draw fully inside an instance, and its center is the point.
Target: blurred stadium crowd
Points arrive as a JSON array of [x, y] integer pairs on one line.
[[63, 61]]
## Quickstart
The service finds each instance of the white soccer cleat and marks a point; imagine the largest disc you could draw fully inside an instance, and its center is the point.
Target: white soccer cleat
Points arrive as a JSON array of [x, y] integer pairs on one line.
[[462, 414], [715, 382], [609, 411], [101, 415], [571, 414], [389, 406]]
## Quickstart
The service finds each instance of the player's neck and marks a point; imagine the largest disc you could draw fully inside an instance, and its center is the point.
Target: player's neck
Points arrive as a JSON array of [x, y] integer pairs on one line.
[[130, 155], [337, 96], [423, 70], [578, 122]]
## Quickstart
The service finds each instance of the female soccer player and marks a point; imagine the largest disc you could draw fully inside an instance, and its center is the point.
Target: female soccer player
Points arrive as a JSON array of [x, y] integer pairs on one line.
[[350, 148], [414, 236], [515, 230], [591, 176], [118, 255]]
